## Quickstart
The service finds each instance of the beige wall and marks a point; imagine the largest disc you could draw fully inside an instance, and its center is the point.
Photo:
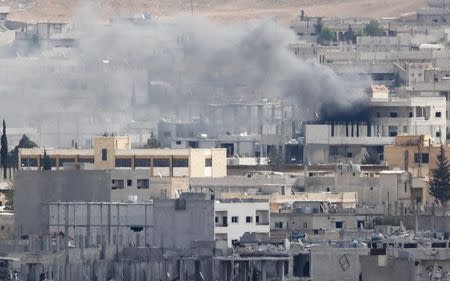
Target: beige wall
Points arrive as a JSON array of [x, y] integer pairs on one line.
[[120, 147]]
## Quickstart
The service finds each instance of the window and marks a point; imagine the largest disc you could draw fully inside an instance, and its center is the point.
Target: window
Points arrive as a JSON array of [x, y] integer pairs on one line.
[[66, 160], [248, 219], [178, 142], [180, 163], [142, 163], [117, 184], [378, 115], [129, 182], [410, 114], [208, 162], [161, 162], [279, 224], [438, 114], [123, 162], [339, 224], [234, 219], [104, 154], [393, 131], [438, 134], [305, 225], [32, 162], [421, 157], [406, 187], [216, 219], [393, 114], [86, 160], [405, 129], [225, 220], [142, 183], [315, 231], [349, 155], [257, 219]]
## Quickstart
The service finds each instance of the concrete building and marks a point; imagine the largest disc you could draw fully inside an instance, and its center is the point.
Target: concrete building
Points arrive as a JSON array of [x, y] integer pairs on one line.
[[252, 183], [389, 116], [406, 259], [347, 200], [234, 217], [34, 188], [163, 223], [116, 153], [323, 222]]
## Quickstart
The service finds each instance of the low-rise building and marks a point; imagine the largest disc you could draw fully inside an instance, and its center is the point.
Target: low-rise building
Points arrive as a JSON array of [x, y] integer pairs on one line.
[[116, 153]]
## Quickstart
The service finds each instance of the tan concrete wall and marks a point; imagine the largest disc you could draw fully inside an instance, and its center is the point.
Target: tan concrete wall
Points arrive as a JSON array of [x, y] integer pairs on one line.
[[394, 157], [104, 143], [219, 163]]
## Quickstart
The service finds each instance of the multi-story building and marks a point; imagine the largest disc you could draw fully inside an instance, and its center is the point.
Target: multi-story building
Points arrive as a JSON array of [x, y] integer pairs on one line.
[[234, 217], [116, 153], [389, 116]]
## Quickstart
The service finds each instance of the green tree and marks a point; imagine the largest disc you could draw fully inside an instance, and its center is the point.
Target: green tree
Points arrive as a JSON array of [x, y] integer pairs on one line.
[[373, 28], [24, 142], [4, 151], [47, 163], [326, 36], [371, 159], [440, 180]]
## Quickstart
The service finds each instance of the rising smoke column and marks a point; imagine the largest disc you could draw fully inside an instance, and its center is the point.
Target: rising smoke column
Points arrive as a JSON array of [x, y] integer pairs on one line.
[[174, 68]]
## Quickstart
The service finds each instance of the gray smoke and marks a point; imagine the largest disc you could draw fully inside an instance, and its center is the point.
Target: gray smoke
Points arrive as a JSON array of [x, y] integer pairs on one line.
[[160, 68]]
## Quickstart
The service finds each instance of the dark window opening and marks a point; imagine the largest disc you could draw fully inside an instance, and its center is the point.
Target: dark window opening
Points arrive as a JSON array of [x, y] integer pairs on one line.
[[438, 114], [143, 184], [393, 114], [161, 162], [248, 219], [234, 219], [129, 182], [421, 157], [86, 160], [180, 163], [117, 184], [66, 160], [339, 224], [208, 162], [104, 154], [279, 224], [178, 142], [137, 228], [123, 162], [142, 163]]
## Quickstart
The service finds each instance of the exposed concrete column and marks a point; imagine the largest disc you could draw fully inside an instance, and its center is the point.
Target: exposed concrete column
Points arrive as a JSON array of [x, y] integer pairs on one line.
[[281, 265], [88, 222], [263, 271], [291, 266]]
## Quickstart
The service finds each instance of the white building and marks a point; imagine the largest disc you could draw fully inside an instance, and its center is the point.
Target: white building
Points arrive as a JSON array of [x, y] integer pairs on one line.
[[390, 116], [234, 217]]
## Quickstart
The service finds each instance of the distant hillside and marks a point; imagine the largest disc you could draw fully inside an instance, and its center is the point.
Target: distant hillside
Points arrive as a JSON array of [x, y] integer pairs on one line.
[[222, 10]]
